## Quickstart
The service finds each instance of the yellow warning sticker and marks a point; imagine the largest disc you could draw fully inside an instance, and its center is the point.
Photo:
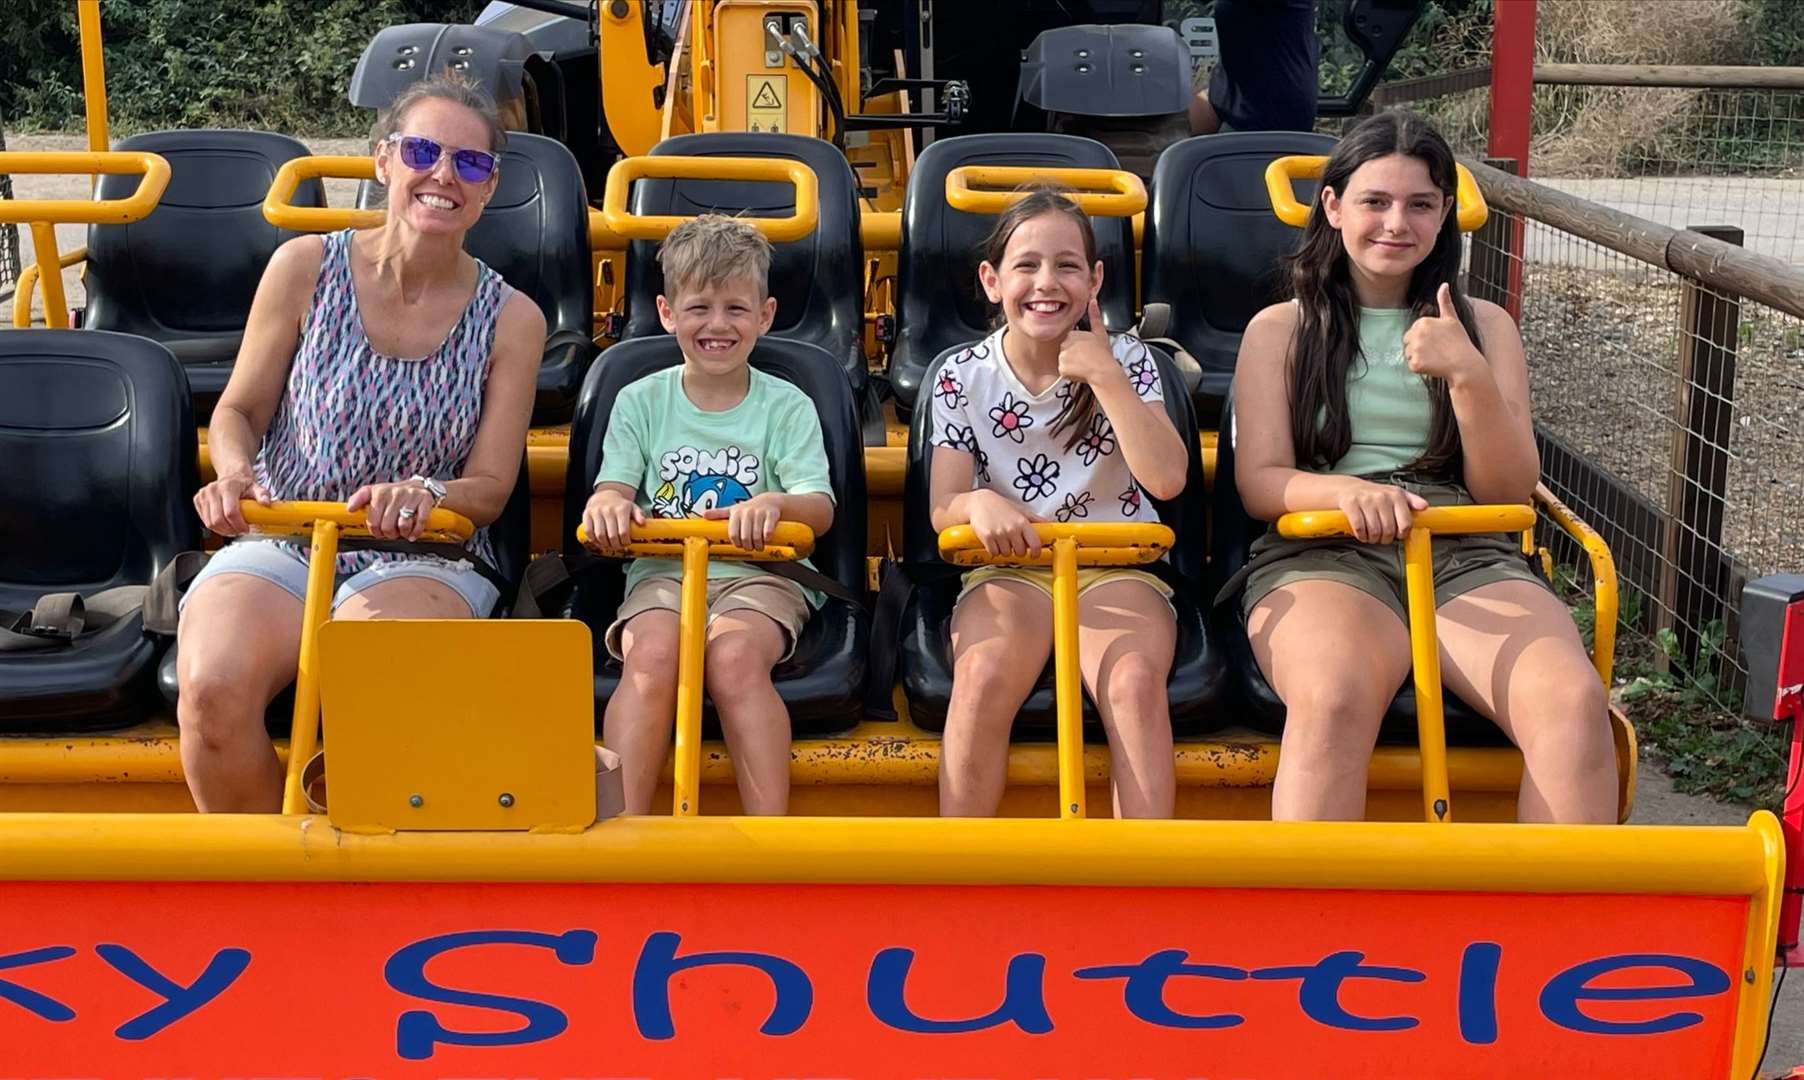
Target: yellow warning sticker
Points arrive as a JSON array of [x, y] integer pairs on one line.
[[767, 103]]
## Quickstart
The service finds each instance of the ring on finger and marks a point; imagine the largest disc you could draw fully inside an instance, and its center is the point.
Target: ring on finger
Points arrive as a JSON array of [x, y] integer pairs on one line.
[[407, 513]]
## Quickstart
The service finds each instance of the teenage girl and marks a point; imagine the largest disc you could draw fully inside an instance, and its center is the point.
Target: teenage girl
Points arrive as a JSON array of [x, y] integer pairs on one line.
[[1380, 390]]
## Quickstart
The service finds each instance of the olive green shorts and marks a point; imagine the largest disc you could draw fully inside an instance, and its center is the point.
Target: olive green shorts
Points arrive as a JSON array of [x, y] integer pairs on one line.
[[1462, 563]]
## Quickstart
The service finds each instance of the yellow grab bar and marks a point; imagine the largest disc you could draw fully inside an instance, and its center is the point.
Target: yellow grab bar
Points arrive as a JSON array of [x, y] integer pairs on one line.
[[1603, 580], [1424, 645], [297, 518], [614, 222], [1470, 202], [695, 540], [324, 522], [278, 211], [152, 167], [991, 189], [44, 215], [1066, 548], [28, 282]]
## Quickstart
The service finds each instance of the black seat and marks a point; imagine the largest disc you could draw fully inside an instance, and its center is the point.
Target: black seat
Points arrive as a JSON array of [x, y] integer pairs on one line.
[[1198, 685], [185, 274], [1234, 531], [97, 435], [939, 303], [822, 682], [509, 536], [535, 234], [1212, 247]]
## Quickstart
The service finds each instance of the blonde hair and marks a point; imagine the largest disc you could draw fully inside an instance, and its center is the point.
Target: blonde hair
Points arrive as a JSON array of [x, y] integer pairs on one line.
[[712, 248], [450, 85]]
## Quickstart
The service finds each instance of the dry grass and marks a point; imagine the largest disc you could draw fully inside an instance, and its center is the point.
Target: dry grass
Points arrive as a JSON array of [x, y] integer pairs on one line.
[[1591, 131]]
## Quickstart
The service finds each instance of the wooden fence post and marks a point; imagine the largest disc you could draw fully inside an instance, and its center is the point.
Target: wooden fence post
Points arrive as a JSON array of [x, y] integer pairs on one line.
[[1488, 275], [1693, 569]]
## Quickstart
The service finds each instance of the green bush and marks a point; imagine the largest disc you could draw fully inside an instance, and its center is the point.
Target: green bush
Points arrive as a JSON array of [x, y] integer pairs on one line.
[[283, 65]]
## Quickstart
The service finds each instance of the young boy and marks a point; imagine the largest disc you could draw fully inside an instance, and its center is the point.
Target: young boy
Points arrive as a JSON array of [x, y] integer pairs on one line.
[[714, 439]]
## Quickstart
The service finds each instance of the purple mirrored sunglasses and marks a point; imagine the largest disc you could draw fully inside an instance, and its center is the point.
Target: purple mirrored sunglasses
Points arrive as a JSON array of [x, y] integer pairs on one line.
[[421, 154]]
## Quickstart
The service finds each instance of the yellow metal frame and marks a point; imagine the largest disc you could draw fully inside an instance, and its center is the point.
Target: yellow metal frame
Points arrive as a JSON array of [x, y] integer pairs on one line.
[[278, 211], [1471, 209], [28, 283], [1424, 644], [991, 189], [1603, 580], [44, 215], [93, 73], [325, 523], [695, 541], [615, 223], [1065, 548]]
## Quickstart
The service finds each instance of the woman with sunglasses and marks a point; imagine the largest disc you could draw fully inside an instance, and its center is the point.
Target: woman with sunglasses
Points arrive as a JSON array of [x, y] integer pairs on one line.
[[386, 369]]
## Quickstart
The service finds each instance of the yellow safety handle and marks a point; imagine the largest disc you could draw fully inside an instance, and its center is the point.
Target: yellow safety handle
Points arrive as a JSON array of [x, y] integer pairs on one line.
[[615, 222], [152, 167], [280, 212], [991, 189], [1438, 520], [1099, 544], [1471, 210], [662, 538], [298, 517]]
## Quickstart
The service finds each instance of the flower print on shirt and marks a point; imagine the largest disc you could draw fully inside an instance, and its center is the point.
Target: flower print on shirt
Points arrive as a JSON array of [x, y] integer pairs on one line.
[[1099, 441], [959, 437], [1076, 505], [979, 351], [1130, 501], [949, 391], [1143, 375], [1011, 419], [1039, 477]]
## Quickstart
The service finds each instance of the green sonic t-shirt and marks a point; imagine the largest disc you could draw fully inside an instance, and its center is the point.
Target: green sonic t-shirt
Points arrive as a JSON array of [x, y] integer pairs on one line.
[[683, 461]]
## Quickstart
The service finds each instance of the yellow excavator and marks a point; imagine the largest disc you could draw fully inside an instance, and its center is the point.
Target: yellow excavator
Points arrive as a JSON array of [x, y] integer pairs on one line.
[[460, 896]]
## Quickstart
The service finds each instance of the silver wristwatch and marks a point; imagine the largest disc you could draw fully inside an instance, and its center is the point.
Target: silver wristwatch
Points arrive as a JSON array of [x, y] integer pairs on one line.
[[436, 488]]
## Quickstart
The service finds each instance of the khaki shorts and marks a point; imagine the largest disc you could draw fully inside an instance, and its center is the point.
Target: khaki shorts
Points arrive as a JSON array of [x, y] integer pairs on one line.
[[1088, 577], [778, 598], [1462, 563]]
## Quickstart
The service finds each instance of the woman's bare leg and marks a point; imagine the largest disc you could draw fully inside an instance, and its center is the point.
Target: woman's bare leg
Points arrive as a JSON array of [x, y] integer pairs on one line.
[[1125, 639], [1001, 635]]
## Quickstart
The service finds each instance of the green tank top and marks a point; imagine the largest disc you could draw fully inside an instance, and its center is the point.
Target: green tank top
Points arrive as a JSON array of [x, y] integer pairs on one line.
[[1387, 403]]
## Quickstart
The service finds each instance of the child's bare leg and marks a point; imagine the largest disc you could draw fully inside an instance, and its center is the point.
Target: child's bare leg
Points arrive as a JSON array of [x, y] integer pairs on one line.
[[1125, 639], [743, 646], [1001, 635], [640, 715]]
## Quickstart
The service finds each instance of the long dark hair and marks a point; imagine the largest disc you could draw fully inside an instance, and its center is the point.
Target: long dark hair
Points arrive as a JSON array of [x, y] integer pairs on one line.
[[1327, 336], [1044, 197]]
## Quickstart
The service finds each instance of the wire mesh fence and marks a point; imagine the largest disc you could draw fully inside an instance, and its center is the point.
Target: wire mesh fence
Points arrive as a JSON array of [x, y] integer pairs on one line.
[[1680, 156], [9, 234], [1671, 418]]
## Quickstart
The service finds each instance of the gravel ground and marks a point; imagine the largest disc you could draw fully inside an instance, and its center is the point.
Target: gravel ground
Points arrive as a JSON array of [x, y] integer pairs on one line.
[[1603, 346]]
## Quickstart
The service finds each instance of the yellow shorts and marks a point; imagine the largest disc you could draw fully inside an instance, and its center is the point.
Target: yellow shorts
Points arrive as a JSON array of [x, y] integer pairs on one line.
[[1088, 577]]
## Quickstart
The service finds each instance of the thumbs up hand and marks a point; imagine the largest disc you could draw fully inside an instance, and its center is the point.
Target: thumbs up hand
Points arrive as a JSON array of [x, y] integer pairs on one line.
[[1085, 355], [1437, 346]]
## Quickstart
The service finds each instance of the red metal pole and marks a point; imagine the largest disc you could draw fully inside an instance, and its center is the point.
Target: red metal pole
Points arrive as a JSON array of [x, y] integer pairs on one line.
[[1512, 96], [1791, 953]]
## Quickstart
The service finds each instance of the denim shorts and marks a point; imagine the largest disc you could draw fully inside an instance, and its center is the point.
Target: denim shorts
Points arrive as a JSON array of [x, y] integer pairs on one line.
[[286, 565]]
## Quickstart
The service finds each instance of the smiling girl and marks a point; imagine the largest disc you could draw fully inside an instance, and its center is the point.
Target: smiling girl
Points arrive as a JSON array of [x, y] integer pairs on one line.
[[1051, 418], [1379, 391]]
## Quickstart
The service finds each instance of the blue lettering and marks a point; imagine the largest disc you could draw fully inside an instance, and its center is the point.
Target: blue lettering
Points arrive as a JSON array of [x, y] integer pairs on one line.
[[658, 962], [40, 1006], [178, 1000], [1144, 992], [1319, 994], [417, 1032], [1560, 998], [1478, 992], [1023, 997]]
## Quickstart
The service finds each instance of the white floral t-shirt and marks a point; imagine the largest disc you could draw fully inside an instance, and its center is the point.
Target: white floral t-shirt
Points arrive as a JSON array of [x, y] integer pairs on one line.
[[980, 407]]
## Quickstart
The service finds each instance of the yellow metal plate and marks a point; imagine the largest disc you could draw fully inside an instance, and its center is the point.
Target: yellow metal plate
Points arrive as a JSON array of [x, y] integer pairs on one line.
[[767, 103], [490, 723]]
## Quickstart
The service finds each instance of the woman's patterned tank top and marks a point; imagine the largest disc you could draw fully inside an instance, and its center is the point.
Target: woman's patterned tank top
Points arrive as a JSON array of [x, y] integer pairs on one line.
[[351, 416]]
